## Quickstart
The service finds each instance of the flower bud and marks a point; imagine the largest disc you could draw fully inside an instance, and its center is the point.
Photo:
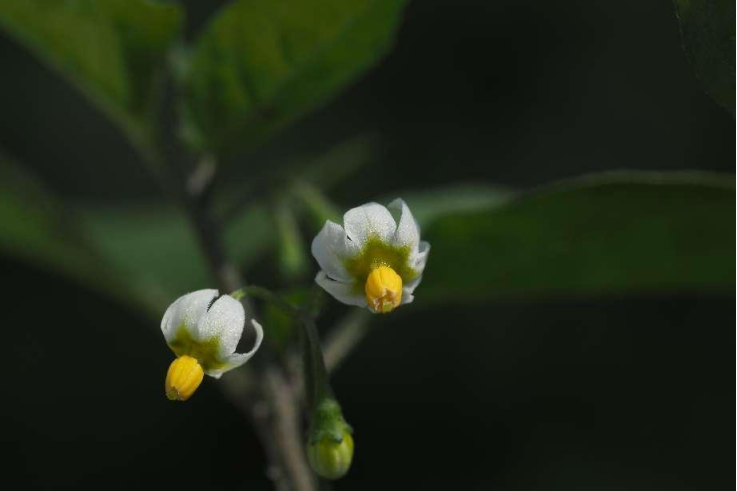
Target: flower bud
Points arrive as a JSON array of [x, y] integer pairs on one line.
[[330, 449], [329, 458], [383, 289], [184, 376]]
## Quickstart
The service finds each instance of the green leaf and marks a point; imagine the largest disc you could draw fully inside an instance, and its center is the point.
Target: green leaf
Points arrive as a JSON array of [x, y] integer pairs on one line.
[[432, 204], [37, 229], [619, 232], [708, 31], [155, 248], [111, 50], [291, 248], [145, 256], [261, 64], [282, 326]]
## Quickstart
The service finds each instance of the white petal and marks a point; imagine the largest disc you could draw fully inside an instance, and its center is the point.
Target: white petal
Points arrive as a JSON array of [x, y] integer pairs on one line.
[[417, 260], [186, 311], [223, 320], [330, 247], [369, 220], [407, 297], [234, 360], [408, 231], [342, 291]]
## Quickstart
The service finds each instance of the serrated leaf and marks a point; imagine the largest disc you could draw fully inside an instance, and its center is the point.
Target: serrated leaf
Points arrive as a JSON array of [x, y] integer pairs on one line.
[[260, 64]]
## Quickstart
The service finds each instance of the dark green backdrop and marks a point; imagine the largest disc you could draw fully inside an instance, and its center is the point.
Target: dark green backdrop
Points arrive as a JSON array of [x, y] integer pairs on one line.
[[587, 393]]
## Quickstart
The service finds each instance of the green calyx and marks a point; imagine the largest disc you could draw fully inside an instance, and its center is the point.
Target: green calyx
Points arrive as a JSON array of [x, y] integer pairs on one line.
[[376, 252], [330, 449], [206, 352], [328, 423]]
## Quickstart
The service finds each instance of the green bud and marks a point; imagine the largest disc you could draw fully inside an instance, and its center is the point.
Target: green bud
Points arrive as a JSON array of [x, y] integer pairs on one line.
[[330, 449], [331, 459]]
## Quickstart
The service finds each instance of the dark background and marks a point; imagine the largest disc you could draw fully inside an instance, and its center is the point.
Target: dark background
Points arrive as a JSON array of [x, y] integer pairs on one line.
[[587, 393]]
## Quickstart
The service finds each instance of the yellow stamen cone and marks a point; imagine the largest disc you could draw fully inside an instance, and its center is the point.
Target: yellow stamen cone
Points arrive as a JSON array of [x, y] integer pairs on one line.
[[184, 376], [383, 289]]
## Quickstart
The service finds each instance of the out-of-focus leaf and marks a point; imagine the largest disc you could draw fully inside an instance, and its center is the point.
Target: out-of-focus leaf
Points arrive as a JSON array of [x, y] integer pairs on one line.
[[306, 177], [432, 204], [282, 325], [316, 204], [36, 229], [154, 247], [112, 50], [343, 160], [291, 248], [260, 64], [708, 31], [620, 232]]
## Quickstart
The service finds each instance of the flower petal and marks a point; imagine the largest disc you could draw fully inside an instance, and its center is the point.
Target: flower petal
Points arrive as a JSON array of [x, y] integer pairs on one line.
[[330, 247], [224, 320], [186, 311], [342, 291], [368, 220], [418, 260], [408, 231], [407, 296], [234, 360]]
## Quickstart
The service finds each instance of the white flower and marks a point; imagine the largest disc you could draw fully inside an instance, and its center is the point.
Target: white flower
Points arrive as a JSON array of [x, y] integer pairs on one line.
[[203, 329], [375, 259]]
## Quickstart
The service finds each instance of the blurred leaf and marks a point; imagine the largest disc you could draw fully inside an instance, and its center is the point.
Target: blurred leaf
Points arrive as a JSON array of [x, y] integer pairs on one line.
[[112, 50], [431, 204], [36, 229], [282, 325], [261, 64], [339, 163], [291, 248], [154, 247], [708, 31], [618, 232], [317, 205], [426, 206], [304, 174]]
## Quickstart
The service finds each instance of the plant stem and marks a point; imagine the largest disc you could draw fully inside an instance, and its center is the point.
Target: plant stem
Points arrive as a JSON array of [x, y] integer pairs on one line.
[[317, 382], [274, 412], [273, 406], [344, 337]]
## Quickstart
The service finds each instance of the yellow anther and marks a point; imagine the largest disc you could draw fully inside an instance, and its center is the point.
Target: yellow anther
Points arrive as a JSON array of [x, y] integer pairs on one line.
[[383, 289], [184, 376]]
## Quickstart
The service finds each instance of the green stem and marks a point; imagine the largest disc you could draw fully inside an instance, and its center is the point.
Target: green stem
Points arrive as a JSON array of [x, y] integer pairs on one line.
[[316, 374]]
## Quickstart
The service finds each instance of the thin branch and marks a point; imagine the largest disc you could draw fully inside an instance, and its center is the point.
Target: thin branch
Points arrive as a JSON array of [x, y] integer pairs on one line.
[[274, 412], [273, 409], [341, 340], [344, 338], [200, 181]]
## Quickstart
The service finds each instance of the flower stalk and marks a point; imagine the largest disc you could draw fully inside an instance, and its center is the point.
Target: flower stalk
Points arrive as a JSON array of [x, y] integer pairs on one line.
[[330, 442]]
